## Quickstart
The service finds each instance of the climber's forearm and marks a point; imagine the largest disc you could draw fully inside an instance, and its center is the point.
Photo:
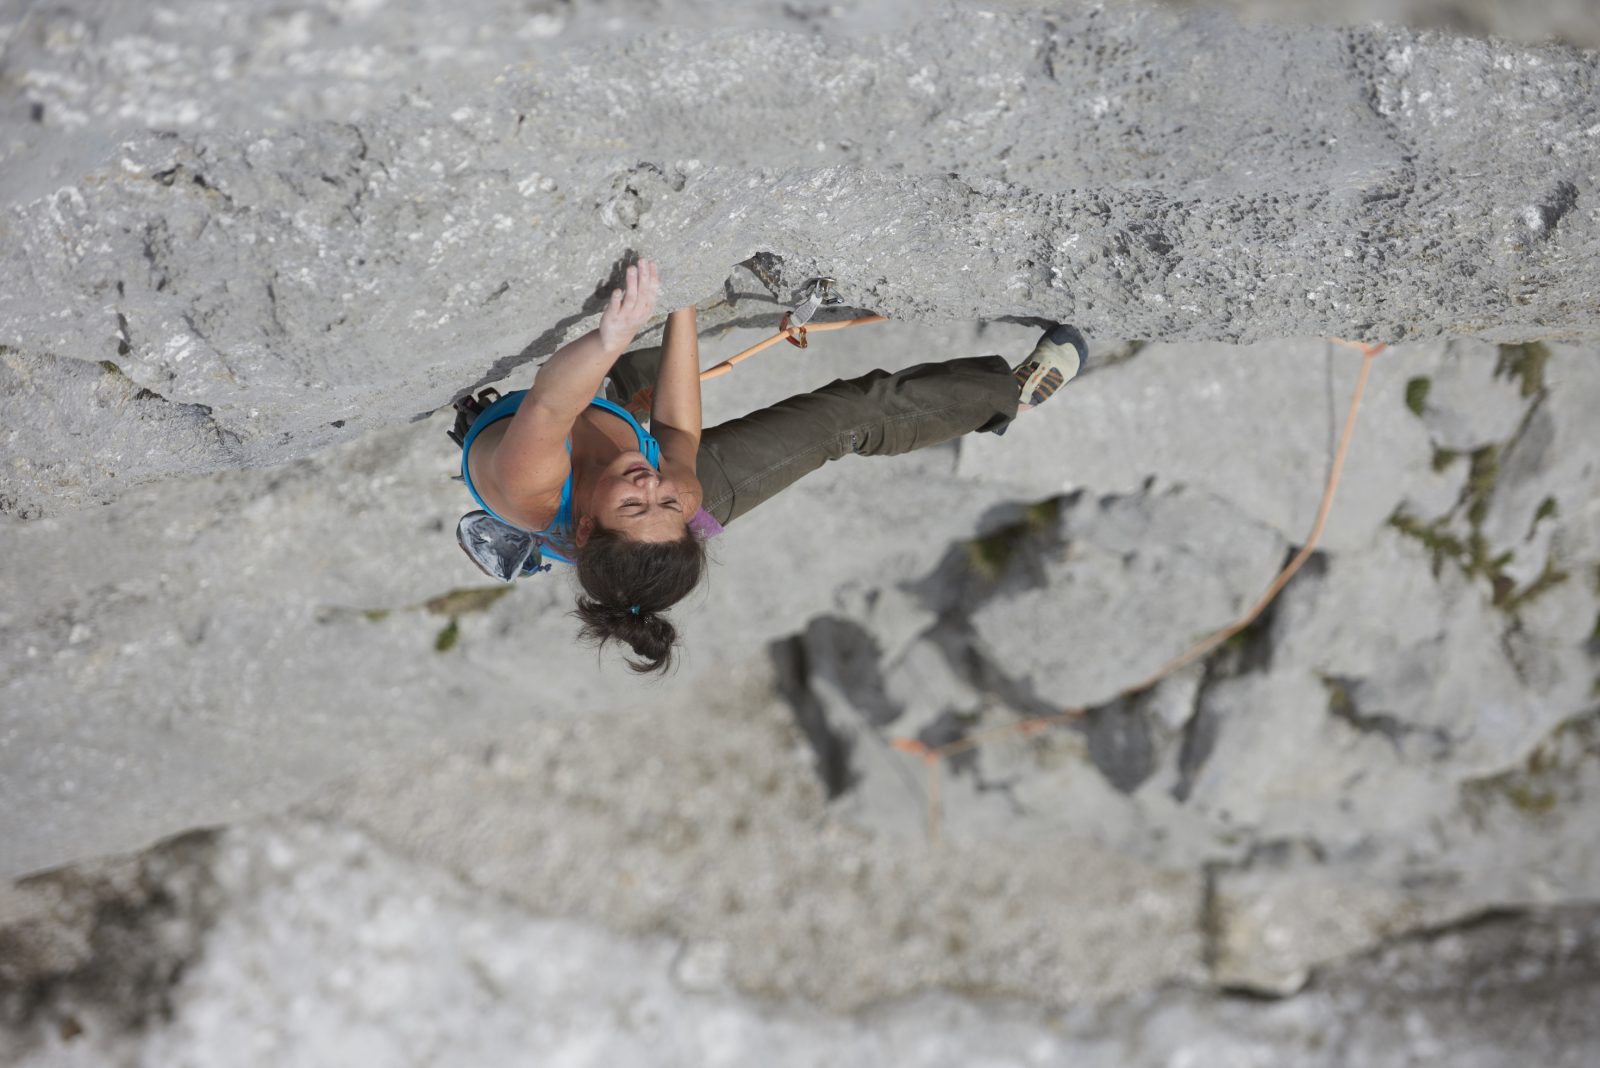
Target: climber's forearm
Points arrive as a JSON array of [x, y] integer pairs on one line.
[[531, 463], [676, 407], [570, 379]]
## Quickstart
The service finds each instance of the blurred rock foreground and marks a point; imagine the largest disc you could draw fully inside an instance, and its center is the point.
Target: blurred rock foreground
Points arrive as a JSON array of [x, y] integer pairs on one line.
[[253, 252]]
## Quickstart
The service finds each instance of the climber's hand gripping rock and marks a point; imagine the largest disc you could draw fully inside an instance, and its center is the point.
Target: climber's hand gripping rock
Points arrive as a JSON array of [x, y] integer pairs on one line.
[[630, 307]]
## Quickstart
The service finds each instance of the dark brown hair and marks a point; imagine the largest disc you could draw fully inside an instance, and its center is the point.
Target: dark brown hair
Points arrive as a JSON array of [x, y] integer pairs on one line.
[[629, 584]]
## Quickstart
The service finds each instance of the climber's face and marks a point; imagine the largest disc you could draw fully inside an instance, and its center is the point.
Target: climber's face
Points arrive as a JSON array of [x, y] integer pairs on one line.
[[634, 499]]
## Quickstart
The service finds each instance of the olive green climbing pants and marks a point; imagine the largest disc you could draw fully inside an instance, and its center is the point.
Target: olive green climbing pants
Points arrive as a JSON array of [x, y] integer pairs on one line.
[[748, 460]]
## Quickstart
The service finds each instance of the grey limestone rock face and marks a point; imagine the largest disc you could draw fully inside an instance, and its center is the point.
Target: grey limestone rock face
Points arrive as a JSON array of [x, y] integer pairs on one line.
[[1275, 926], [1068, 163], [104, 943], [234, 300], [1427, 681], [197, 652], [1072, 634], [596, 818], [1254, 426], [1462, 400], [460, 971], [1574, 21]]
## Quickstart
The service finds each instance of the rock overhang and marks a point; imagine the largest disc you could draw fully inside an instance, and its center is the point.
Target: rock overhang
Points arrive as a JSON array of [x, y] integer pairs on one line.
[[1143, 173]]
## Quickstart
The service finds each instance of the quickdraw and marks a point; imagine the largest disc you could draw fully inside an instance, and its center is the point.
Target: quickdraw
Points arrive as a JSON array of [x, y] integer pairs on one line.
[[819, 294], [795, 326]]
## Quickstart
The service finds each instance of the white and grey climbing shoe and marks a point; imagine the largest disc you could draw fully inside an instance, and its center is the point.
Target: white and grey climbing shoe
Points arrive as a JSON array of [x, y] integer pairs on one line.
[[1054, 362]]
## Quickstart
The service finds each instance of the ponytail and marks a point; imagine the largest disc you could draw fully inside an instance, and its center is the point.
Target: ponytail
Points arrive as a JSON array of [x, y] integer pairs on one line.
[[628, 585]]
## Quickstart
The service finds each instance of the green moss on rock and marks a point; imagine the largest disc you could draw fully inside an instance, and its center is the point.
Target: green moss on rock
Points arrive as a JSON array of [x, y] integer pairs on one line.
[[1528, 800], [448, 637], [1544, 781], [1341, 704], [1482, 477], [460, 602], [992, 554], [1434, 536], [1417, 393], [1515, 600], [1525, 364]]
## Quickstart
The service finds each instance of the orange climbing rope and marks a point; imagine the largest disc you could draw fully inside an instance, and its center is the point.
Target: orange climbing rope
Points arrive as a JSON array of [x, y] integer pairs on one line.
[[933, 756], [795, 335]]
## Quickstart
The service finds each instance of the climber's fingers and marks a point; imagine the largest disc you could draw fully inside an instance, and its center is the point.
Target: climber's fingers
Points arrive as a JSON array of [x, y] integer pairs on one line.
[[631, 306], [644, 282]]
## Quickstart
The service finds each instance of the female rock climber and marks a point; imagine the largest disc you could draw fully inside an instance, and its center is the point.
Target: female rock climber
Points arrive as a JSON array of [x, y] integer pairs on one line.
[[562, 468]]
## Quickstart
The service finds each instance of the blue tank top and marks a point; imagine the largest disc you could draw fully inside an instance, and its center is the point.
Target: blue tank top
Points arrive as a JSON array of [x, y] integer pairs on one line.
[[555, 539]]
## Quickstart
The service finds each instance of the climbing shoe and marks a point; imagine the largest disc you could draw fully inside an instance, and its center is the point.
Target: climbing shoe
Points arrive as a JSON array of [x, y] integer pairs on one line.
[[1055, 360]]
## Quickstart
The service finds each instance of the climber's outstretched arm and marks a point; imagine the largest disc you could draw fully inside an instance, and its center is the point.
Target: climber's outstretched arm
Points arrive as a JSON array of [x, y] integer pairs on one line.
[[531, 463], [675, 410]]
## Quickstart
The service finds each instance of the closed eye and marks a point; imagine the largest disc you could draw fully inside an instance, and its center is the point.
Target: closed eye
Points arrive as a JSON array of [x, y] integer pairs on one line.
[[633, 507]]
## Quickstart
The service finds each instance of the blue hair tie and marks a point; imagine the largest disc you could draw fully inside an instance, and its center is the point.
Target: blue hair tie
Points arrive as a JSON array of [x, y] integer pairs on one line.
[[634, 609]]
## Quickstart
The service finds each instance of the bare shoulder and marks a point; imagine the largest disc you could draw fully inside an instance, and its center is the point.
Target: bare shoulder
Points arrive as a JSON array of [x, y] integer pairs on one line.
[[484, 464]]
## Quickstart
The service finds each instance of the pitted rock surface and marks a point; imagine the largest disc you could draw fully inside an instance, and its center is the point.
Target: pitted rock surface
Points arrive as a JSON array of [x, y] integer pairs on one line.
[[1142, 173]]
